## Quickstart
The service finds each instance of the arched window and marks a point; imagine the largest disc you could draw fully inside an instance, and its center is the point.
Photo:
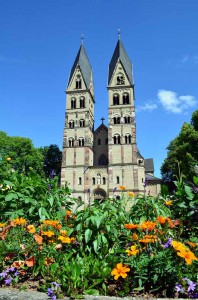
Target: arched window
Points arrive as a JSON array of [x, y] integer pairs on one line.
[[82, 123], [116, 120], [127, 119], [71, 124], [117, 179], [73, 103], [127, 139], [103, 161], [80, 198], [79, 180], [78, 82], [120, 79], [93, 180], [82, 102], [81, 142], [116, 99], [125, 98], [116, 139], [98, 178], [99, 141], [71, 142], [103, 180]]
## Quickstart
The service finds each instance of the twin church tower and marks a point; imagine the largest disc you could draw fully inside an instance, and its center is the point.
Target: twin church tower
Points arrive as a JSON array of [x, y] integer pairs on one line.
[[96, 161]]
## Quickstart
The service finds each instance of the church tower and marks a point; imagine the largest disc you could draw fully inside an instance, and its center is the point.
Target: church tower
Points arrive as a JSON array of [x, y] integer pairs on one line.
[[79, 126], [126, 166]]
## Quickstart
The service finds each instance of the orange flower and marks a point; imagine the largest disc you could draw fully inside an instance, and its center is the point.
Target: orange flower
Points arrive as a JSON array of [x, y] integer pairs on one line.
[[147, 225], [47, 233], [122, 188], [48, 261], [120, 270], [53, 223], [22, 272], [131, 226], [18, 264], [168, 203], [19, 221], [178, 246], [132, 251], [149, 239], [31, 229], [171, 223], [187, 255], [131, 194], [72, 239], [30, 262], [191, 244], [161, 219], [68, 213], [64, 240], [134, 236], [63, 232]]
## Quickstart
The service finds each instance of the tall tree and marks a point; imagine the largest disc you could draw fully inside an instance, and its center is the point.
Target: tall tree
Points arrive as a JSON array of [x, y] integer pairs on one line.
[[182, 153], [52, 160], [20, 153]]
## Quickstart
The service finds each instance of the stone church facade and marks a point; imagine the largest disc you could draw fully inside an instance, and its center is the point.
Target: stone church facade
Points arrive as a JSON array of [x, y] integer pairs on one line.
[[95, 162]]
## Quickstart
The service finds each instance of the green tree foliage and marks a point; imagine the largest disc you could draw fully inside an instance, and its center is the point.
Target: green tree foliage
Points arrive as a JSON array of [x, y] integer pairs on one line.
[[52, 160], [182, 153], [24, 156]]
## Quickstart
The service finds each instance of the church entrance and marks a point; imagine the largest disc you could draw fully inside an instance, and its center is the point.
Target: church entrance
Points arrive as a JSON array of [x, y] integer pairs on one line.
[[99, 194]]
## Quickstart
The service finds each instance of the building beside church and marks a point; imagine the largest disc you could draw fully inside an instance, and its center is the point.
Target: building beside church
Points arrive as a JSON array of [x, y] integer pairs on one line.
[[96, 161]]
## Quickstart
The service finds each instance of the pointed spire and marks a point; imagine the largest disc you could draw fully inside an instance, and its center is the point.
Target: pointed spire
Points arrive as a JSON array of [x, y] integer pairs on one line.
[[120, 54], [82, 61], [119, 34]]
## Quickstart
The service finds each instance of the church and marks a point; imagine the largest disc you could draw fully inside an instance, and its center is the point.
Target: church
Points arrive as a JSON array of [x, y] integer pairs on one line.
[[97, 162]]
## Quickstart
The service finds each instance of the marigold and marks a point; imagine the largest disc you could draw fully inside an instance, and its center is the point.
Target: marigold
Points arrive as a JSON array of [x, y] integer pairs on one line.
[[131, 194], [9, 256], [169, 203], [120, 270], [161, 219], [53, 223], [31, 229], [18, 264], [191, 244], [64, 240], [19, 221], [134, 236], [187, 255], [131, 226], [47, 233], [63, 232], [132, 251], [2, 225], [178, 246], [48, 261], [148, 225], [171, 223], [122, 188], [68, 213]]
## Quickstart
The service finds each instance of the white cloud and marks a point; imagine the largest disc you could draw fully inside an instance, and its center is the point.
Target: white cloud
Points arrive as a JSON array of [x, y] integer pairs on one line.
[[174, 103], [190, 59], [185, 58], [149, 106]]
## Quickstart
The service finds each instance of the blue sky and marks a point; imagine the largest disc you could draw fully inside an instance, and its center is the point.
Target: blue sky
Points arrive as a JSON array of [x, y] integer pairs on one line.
[[39, 42]]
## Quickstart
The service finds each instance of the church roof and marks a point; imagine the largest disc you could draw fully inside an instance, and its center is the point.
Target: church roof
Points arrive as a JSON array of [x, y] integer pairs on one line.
[[120, 53], [101, 127], [149, 165], [82, 61]]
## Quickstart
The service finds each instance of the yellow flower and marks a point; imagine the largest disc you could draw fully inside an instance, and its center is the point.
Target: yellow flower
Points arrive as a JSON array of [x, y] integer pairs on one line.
[[187, 255], [122, 188], [132, 251], [168, 203], [63, 232], [64, 240], [131, 194], [19, 221], [120, 270], [178, 246], [2, 225], [48, 261], [8, 159], [31, 229], [47, 233]]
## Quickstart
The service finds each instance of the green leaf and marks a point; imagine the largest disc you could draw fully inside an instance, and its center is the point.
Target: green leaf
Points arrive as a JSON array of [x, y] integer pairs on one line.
[[189, 193], [88, 234], [11, 196], [9, 183], [92, 292], [51, 201], [95, 245]]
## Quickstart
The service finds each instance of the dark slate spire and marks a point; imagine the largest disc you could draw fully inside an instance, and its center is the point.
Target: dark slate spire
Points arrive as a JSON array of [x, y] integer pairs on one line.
[[120, 53], [83, 62]]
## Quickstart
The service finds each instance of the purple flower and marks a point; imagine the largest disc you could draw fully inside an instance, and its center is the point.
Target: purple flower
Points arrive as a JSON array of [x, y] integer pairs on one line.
[[145, 182], [49, 292], [56, 284], [4, 274], [89, 191], [114, 190], [191, 286], [8, 281], [12, 269], [168, 243], [179, 288], [16, 274]]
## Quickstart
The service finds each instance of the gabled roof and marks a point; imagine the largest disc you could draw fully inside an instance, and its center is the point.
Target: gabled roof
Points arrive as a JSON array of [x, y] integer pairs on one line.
[[83, 62], [151, 178], [149, 165], [101, 127], [120, 53]]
